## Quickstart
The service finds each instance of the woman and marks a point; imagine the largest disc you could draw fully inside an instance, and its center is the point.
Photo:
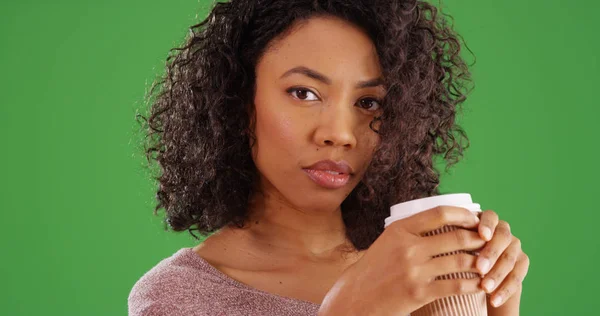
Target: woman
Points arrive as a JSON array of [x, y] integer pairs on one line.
[[285, 130]]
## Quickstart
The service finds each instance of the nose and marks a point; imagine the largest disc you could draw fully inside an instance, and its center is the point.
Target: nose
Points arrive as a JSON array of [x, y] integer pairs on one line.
[[336, 126]]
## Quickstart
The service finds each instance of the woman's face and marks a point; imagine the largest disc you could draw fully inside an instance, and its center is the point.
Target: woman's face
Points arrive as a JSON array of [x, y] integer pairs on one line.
[[317, 90]]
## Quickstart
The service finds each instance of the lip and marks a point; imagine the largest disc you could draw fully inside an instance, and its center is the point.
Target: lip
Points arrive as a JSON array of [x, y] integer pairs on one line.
[[330, 165], [323, 173]]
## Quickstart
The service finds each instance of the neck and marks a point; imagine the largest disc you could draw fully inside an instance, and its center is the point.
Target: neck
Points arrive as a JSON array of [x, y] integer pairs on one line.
[[277, 227]]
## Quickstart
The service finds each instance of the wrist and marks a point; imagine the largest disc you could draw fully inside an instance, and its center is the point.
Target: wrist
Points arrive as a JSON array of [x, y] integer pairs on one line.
[[334, 303]]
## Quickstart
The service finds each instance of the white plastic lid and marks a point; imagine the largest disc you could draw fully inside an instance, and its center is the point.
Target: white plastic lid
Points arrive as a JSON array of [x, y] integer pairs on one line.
[[409, 208], [473, 207]]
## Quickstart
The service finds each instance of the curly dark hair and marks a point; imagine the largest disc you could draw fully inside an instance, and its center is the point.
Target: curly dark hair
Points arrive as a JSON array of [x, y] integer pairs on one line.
[[198, 125]]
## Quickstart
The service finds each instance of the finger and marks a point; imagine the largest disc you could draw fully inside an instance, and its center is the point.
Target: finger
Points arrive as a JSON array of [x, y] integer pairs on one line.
[[452, 287], [503, 267], [437, 217], [490, 253], [456, 263], [512, 283], [489, 221], [451, 241]]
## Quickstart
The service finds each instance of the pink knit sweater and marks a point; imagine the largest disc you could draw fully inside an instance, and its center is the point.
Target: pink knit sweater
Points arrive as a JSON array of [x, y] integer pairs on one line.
[[185, 284]]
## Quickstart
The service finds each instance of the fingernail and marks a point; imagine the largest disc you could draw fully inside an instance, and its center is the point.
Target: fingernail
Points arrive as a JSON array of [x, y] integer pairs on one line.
[[483, 265], [489, 285], [497, 300], [487, 233]]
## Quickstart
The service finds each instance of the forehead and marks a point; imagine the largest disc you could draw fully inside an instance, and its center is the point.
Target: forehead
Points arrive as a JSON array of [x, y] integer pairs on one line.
[[333, 46]]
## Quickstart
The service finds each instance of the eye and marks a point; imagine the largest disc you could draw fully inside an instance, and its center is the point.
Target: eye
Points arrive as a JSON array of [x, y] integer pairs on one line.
[[370, 104], [302, 94]]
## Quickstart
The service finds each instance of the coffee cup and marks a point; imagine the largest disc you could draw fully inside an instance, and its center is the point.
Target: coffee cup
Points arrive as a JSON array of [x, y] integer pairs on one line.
[[457, 305]]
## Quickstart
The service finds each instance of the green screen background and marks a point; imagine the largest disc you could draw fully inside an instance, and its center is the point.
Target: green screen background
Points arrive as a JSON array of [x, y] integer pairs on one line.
[[78, 229]]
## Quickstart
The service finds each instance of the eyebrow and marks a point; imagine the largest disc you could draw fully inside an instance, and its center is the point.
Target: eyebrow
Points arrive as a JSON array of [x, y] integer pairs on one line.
[[318, 76]]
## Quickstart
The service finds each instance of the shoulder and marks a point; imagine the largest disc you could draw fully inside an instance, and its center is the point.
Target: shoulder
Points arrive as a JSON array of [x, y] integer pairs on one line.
[[177, 285]]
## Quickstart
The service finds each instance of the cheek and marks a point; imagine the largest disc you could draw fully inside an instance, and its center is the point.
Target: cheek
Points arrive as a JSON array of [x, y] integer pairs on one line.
[[274, 129], [282, 128], [372, 139], [369, 142], [368, 137], [276, 136]]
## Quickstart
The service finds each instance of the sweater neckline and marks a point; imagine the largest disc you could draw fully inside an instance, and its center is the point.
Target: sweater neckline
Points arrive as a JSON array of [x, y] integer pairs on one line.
[[189, 251]]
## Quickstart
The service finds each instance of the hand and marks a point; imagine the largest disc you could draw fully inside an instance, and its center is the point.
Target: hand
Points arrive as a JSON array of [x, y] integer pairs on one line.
[[503, 254], [397, 274]]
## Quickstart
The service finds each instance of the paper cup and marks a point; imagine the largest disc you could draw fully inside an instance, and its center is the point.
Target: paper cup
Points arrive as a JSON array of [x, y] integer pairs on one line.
[[458, 305]]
